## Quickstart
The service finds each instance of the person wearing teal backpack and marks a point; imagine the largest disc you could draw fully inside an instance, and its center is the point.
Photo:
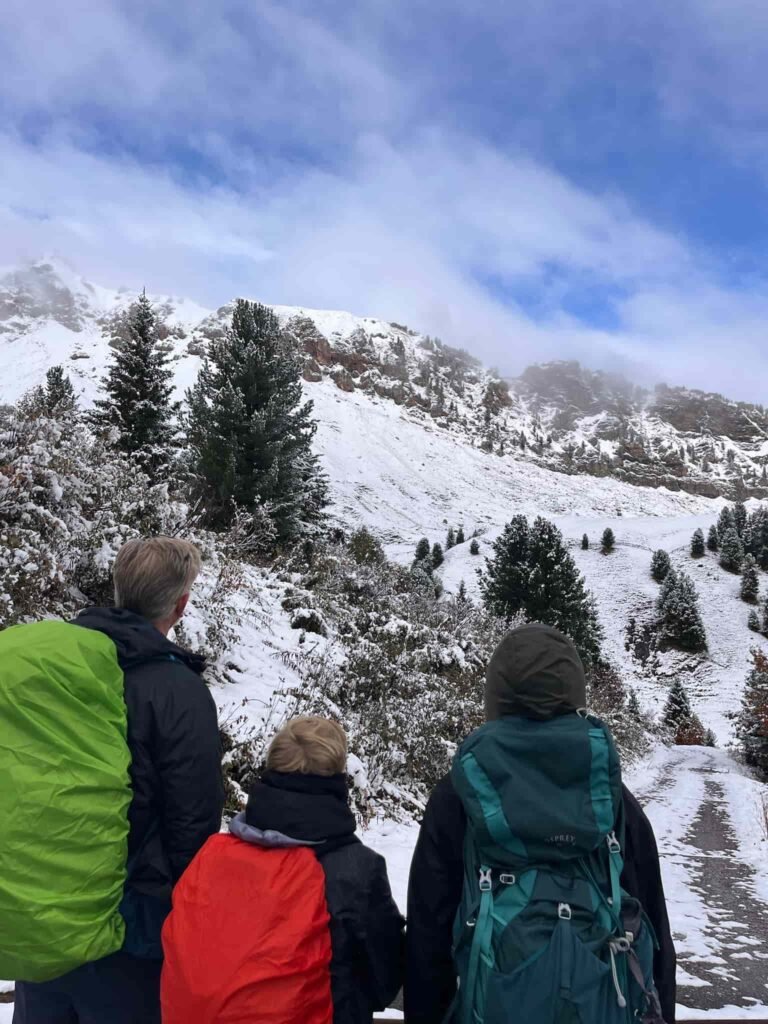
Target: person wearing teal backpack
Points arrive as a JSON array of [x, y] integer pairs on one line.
[[535, 894]]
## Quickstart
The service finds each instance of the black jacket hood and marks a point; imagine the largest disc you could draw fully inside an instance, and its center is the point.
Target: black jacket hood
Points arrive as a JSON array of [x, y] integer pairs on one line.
[[535, 672], [135, 638]]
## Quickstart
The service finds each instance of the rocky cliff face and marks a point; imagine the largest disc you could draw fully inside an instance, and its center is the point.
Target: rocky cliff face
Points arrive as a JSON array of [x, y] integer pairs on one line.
[[559, 415]]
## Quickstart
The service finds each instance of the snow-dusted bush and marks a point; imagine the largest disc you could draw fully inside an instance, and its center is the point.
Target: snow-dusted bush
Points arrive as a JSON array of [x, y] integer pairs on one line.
[[404, 674], [607, 697], [66, 505]]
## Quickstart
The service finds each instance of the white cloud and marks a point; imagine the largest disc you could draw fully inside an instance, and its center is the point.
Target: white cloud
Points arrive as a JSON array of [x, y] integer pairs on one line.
[[407, 234], [339, 182]]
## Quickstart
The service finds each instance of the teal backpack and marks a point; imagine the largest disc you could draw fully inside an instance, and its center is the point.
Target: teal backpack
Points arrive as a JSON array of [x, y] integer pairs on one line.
[[544, 932]]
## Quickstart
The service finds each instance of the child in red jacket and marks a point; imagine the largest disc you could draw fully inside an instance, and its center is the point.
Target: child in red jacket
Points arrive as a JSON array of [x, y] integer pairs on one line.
[[289, 919]]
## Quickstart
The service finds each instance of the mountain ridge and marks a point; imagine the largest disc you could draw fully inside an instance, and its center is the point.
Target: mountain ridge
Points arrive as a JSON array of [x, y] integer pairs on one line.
[[559, 415]]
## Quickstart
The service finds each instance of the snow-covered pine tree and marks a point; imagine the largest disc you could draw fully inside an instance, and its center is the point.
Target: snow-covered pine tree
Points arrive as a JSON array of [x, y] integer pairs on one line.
[[713, 541], [731, 551], [679, 718], [249, 432], [505, 582], [460, 535], [660, 565], [136, 413], [750, 581], [58, 392], [450, 539], [474, 547], [752, 719], [753, 621], [461, 594], [710, 740], [585, 543], [698, 546], [532, 572], [608, 541], [725, 521], [740, 517], [437, 555], [422, 550], [678, 607]]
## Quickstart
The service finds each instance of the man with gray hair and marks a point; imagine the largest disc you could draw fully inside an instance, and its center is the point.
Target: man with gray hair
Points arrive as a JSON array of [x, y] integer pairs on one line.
[[176, 798]]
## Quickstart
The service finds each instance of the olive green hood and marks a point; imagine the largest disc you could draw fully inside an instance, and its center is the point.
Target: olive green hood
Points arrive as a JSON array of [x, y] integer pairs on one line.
[[535, 672]]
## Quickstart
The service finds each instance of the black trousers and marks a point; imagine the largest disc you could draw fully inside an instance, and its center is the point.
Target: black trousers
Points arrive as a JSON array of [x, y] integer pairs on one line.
[[119, 989]]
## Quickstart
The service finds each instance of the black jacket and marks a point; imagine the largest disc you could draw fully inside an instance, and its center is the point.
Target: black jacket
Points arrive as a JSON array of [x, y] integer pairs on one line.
[[366, 927], [434, 894], [173, 736]]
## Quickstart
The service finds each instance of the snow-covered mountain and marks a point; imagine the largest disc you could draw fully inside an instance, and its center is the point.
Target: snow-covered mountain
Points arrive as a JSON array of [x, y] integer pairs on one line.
[[558, 416]]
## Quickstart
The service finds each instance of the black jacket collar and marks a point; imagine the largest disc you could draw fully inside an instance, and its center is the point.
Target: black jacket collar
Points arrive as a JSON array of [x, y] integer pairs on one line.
[[312, 808], [135, 638]]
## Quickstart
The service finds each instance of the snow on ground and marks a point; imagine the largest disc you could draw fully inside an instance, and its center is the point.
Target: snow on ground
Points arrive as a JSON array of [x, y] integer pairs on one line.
[[404, 476]]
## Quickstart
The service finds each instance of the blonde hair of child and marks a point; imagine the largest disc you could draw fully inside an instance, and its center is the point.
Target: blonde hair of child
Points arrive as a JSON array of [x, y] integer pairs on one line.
[[310, 745]]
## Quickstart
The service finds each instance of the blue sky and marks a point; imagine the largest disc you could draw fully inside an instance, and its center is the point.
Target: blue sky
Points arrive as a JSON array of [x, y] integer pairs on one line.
[[576, 180]]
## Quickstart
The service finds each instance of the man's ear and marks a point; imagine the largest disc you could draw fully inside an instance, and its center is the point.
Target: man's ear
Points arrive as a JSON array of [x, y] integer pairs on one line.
[[181, 606]]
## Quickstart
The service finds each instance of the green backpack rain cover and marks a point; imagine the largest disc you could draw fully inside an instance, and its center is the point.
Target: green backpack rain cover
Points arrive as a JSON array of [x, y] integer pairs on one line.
[[64, 796], [544, 933]]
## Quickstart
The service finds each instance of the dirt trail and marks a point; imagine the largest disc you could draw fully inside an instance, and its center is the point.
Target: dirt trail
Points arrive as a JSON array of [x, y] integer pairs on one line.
[[720, 923]]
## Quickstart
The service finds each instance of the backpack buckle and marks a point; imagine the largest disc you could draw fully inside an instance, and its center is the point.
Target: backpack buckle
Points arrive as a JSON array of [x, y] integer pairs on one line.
[[507, 879], [486, 880], [614, 846], [564, 911]]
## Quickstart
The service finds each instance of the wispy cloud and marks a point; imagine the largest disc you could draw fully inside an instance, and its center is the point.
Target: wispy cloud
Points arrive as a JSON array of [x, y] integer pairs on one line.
[[448, 172]]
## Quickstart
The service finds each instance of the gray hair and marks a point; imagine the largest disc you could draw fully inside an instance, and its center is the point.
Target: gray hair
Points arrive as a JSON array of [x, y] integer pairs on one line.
[[151, 575]]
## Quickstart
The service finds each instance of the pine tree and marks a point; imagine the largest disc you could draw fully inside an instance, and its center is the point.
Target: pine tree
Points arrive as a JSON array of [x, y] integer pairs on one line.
[[474, 547], [740, 517], [137, 412], [422, 550], [698, 546], [437, 555], [677, 711], [750, 581], [752, 719], [660, 565], [731, 551], [753, 621], [710, 740], [462, 593], [450, 540], [58, 393], [585, 543], [713, 541], [678, 607], [533, 573], [764, 624], [680, 719], [726, 521], [250, 433], [608, 541], [460, 535]]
